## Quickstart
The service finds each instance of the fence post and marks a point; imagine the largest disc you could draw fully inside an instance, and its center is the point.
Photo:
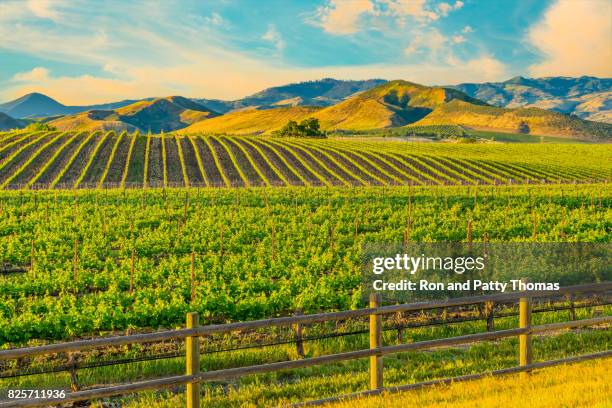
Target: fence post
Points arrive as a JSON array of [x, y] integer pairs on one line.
[[299, 342], [376, 362], [192, 349], [525, 339]]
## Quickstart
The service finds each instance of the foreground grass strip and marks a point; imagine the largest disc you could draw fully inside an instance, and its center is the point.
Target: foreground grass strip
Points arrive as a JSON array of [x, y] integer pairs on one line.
[[576, 385]]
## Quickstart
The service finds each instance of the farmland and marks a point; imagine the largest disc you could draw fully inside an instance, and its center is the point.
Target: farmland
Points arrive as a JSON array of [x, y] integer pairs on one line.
[[106, 233], [81, 160], [257, 252]]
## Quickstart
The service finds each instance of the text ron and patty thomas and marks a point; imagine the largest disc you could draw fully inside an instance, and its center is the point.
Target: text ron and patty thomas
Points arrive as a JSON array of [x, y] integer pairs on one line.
[[458, 265], [468, 285]]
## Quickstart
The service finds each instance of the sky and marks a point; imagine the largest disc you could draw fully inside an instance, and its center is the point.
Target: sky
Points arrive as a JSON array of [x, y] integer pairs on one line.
[[94, 51]]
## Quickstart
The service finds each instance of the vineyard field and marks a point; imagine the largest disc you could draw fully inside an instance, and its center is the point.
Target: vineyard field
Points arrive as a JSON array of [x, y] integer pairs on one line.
[[67, 268], [54, 160]]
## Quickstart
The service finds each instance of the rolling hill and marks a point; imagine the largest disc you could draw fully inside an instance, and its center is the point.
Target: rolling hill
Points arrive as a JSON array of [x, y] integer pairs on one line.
[[586, 97], [400, 103], [250, 121], [519, 120], [8, 123], [160, 114], [392, 104]]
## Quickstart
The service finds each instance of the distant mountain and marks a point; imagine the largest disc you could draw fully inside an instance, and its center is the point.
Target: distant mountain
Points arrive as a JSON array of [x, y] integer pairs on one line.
[[34, 104], [156, 115], [400, 103], [37, 105], [586, 97], [324, 92], [8, 123], [390, 104]]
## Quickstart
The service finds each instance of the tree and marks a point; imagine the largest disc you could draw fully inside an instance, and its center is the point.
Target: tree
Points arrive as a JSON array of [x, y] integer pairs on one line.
[[307, 128], [39, 126]]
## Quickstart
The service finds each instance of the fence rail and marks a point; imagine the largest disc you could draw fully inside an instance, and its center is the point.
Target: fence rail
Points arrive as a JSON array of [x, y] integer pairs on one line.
[[377, 350]]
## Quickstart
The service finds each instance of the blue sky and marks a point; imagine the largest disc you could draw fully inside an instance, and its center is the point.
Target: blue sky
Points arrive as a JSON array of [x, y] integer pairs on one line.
[[88, 51]]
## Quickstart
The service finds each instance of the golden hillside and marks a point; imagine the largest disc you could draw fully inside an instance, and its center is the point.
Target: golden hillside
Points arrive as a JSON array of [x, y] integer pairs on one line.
[[521, 120], [251, 120], [160, 114], [395, 103], [91, 121]]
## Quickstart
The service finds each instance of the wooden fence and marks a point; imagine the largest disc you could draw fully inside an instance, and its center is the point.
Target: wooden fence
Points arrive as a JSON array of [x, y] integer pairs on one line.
[[193, 376]]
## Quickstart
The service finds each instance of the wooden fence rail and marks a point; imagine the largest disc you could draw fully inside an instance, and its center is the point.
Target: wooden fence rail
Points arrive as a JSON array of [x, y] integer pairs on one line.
[[375, 353]]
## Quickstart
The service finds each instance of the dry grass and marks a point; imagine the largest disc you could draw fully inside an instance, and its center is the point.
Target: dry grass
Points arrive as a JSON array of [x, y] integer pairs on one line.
[[578, 385]]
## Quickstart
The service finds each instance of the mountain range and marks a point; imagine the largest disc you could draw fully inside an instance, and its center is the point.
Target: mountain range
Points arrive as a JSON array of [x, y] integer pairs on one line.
[[586, 97], [348, 105]]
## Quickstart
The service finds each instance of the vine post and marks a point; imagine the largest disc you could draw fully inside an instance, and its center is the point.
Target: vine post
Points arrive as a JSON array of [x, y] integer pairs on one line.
[[525, 351], [192, 347], [376, 361]]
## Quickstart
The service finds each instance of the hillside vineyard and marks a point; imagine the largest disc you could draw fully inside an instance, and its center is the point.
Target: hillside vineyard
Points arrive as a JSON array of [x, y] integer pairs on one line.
[[67, 160]]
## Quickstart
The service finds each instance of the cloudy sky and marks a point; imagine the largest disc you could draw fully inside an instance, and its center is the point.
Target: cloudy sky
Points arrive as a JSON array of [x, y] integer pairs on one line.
[[89, 51]]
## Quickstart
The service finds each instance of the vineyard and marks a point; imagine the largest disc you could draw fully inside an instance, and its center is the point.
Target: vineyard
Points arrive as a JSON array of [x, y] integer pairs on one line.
[[80, 256], [81, 160], [83, 262]]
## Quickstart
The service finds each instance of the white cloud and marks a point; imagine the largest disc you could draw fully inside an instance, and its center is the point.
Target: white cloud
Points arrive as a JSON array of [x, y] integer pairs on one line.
[[35, 75], [446, 8], [341, 17], [487, 68], [431, 41], [273, 36], [45, 8], [416, 9], [467, 29], [575, 38], [214, 19], [457, 39]]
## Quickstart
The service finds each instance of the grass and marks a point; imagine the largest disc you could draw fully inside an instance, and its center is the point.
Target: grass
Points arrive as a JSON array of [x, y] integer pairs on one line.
[[575, 385]]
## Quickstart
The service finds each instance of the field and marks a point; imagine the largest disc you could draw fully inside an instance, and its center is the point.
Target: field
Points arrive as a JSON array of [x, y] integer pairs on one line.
[[81, 160], [81, 257]]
